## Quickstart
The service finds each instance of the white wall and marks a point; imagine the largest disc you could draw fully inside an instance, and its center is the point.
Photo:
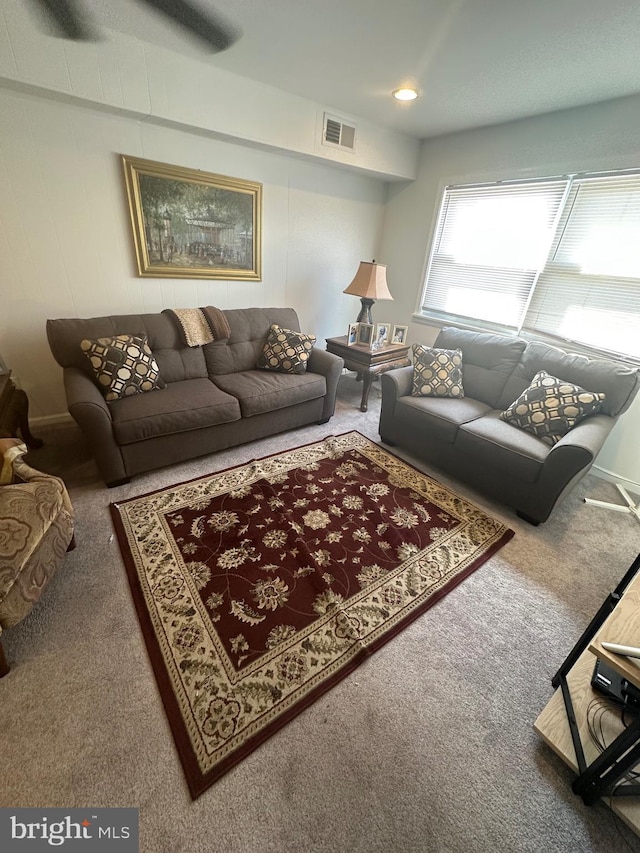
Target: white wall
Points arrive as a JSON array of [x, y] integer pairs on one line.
[[122, 73], [599, 137], [66, 246], [68, 110]]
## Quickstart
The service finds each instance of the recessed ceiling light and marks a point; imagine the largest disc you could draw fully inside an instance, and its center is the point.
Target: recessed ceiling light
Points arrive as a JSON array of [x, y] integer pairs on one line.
[[405, 94]]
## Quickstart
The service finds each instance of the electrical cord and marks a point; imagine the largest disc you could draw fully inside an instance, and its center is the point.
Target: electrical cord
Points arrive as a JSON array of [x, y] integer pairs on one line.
[[597, 710]]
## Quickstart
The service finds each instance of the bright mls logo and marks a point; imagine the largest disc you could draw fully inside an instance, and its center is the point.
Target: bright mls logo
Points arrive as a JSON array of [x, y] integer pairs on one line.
[[82, 830]]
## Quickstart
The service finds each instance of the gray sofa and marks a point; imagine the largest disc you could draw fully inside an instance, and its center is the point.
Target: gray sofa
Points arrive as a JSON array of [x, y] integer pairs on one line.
[[466, 438], [214, 397]]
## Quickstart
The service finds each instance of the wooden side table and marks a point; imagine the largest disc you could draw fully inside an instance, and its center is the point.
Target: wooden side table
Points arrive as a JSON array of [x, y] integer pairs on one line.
[[14, 412], [368, 362]]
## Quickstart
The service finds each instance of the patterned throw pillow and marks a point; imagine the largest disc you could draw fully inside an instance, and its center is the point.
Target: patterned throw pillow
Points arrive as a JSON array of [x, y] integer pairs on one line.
[[549, 407], [436, 372], [123, 365], [286, 351]]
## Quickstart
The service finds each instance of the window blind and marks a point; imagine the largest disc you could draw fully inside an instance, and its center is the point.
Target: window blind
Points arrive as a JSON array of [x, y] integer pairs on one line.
[[490, 243], [589, 289], [559, 256]]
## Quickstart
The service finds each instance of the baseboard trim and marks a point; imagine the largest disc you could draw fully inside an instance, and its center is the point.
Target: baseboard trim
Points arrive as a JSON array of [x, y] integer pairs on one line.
[[612, 477], [51, 420]]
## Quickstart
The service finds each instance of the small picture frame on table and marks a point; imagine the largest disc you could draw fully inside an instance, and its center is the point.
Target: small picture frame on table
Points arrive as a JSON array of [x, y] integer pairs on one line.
[[365, 334], [382, 334], [352, 334], [399, 334]]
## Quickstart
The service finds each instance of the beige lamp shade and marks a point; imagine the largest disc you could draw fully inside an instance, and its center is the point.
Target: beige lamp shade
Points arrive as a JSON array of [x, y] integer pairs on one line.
[[370, 283]]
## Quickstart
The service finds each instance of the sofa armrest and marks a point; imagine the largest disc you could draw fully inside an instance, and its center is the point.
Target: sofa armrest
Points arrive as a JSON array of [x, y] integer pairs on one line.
[[29, 505], [83, 395], [397, 383], [36, 520], [330, 366], [567, 463], [588, 436], [91, 412], [394, 384], [324, 362], [38, 482], [11, 449]]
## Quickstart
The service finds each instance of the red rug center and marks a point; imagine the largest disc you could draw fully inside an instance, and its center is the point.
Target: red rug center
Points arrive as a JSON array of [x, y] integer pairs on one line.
[[271, 557]]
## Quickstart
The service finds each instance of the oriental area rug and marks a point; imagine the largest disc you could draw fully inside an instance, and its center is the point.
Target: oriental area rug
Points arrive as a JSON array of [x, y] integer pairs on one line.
[[258, 588]]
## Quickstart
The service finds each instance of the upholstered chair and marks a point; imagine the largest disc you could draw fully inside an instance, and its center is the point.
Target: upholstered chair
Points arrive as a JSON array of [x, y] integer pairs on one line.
[[36, 530]]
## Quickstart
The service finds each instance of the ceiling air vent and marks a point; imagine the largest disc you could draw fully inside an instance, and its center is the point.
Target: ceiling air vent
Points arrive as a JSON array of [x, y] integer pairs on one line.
[[336, 132]]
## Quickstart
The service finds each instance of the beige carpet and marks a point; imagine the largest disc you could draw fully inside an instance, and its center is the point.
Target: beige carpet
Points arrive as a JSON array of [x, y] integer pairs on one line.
[[428, 746]]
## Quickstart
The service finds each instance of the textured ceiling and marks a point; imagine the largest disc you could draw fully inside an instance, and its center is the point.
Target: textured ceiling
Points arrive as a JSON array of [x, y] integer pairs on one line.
[[476, 62]]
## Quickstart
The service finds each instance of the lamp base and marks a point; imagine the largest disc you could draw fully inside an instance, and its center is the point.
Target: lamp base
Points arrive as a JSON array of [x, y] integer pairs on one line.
[[365, 312]]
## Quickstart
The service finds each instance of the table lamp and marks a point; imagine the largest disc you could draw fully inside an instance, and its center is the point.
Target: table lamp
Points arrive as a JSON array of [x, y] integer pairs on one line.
[[369, 283]]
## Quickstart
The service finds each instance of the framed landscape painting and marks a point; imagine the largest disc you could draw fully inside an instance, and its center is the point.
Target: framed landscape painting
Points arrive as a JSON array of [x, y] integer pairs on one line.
[[192, 224]]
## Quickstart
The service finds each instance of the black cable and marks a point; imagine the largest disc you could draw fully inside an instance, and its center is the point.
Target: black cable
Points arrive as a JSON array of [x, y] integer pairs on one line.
[[597, 709]]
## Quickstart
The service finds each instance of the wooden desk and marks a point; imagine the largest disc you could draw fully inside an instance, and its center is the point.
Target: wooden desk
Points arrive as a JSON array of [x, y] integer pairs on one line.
[[367, 362], [621, 626], [14, 412]]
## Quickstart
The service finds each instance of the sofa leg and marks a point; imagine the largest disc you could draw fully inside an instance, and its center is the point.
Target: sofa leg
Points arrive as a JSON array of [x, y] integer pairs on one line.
[[4, 666], [72, 544], [527, 518], [122, 482], [387, 441], [324, 421]]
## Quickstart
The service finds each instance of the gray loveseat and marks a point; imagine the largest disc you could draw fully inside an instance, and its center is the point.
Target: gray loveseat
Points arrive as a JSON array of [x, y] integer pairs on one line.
[[466, 438], [214, 397]]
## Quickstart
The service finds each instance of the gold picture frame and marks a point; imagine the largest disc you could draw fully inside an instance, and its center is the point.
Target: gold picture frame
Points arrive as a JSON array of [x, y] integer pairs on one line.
[[193, 224]]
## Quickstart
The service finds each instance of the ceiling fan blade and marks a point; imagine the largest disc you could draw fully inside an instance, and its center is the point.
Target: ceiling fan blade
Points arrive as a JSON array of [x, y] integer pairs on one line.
[[64, 19], [208, 27]]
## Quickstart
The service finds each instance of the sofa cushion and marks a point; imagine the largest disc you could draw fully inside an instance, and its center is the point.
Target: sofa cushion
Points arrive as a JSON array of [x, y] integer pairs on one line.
[[617, 381], [175, 360], [550, 407], [286, 350], [502, 448], [261, 391], [436, 372], [181, 407], [249, 330], [488, 361], [438, 418], [123, 365]]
